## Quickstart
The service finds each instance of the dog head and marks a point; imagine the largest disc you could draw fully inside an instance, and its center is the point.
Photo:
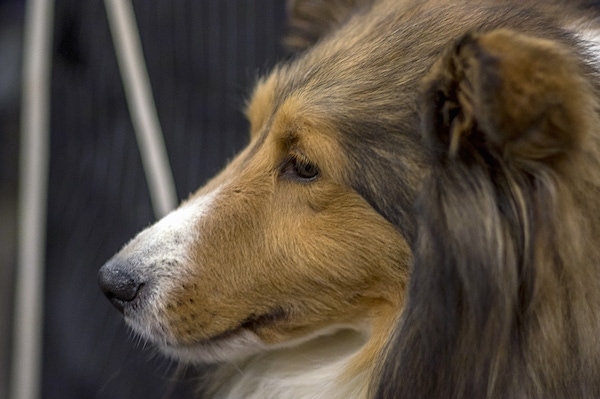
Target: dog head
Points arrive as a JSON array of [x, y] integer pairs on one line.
[[292, 239], [309, 228]]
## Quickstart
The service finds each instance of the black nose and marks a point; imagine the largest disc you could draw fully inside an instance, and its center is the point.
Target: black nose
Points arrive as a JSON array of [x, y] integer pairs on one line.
[[118, 283]]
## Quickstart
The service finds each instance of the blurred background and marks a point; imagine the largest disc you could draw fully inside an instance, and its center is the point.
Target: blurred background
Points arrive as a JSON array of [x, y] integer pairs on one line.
[[202, 58]]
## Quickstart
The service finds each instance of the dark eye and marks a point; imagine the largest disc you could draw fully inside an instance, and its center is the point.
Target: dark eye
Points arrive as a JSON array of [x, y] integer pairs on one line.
[[300, 169]]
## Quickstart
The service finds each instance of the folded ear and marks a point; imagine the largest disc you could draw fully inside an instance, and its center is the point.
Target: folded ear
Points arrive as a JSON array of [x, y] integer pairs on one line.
[[503, 93], [309, 20]]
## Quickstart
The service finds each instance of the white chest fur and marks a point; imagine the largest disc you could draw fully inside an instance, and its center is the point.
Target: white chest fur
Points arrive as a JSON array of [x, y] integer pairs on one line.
[[313, 370]]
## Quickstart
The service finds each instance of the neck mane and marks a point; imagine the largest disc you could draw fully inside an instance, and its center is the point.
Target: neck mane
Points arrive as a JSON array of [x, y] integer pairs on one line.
[[329, 366]]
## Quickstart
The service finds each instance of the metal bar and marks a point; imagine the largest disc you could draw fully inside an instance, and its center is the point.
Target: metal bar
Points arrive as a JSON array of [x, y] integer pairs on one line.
[[33, 178], [135, 78]]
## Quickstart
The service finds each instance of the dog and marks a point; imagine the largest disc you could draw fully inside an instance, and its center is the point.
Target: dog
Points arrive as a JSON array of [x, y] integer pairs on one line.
[[414, 215]]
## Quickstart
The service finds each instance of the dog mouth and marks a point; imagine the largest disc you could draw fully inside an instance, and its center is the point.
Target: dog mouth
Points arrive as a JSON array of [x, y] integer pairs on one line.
[[146, 318], [233, 344], [251, 323], [256, 322]]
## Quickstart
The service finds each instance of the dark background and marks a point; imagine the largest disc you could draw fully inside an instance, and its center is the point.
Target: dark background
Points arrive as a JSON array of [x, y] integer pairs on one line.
[[203, 57]]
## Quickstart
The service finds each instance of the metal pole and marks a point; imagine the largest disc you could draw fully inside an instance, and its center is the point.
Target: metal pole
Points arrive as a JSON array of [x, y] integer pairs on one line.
[[33, 179], [135, 78]]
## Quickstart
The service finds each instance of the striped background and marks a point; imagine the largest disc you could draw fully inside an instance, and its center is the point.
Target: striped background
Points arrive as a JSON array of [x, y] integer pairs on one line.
[[202, 56]]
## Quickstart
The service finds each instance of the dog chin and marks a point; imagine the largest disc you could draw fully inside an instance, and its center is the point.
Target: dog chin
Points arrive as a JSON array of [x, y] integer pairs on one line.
[[237, 345], [227, 347], [234, 346]]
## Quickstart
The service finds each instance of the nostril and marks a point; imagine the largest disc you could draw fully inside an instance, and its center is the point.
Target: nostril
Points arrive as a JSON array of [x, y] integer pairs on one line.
[[118, 283]]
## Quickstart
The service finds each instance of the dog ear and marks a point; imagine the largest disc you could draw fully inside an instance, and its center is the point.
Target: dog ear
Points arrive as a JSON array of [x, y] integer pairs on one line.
[[511, 95], [310, 20], [501, 225]]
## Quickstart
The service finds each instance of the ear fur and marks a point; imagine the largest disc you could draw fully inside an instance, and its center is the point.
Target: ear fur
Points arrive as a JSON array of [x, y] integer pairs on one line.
[[505, 92], [500, 296], [310, 20]]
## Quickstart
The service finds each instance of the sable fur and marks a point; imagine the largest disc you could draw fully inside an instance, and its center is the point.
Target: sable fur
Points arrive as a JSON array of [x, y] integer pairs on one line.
[[504, 297], [459, 138]]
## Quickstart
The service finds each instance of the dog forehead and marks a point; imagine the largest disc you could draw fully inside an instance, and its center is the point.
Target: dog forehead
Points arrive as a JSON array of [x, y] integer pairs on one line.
[[368, 68], [286, 118]]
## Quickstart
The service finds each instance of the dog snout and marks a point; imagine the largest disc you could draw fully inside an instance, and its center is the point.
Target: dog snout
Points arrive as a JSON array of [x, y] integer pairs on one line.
[[118, 283]]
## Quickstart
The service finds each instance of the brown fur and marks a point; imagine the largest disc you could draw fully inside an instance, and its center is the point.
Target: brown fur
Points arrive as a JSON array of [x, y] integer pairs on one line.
[[484, 114], [505, 296]]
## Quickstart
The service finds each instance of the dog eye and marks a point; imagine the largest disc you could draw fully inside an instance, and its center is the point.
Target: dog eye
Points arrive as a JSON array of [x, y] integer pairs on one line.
[[300, 169]]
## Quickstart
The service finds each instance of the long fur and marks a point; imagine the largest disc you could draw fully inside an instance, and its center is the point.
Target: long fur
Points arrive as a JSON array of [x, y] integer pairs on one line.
[[457, 137], [505, 293]]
